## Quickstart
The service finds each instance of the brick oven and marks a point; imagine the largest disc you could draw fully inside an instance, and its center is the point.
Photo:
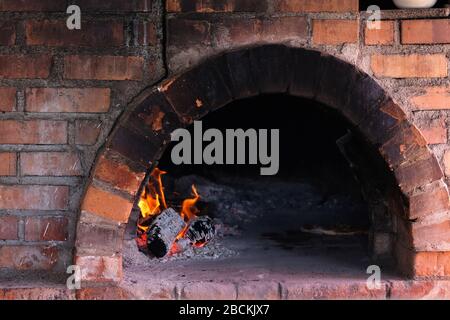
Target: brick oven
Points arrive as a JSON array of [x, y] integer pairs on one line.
[[86, 117]]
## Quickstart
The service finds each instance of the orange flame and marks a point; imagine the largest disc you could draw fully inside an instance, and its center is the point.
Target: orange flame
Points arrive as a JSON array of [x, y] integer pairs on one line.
[[152, 197], [156, 174], [153, 201], [188, 209]]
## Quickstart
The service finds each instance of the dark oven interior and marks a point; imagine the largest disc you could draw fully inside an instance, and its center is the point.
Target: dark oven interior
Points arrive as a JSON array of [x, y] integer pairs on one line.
[[325, 211]]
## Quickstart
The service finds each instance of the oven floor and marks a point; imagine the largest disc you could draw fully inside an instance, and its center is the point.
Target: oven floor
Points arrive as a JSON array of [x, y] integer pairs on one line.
[[260, 270], [264, 268]]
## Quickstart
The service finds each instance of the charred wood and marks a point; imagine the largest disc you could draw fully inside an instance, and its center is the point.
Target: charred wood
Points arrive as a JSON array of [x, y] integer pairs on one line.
[[163, 231]]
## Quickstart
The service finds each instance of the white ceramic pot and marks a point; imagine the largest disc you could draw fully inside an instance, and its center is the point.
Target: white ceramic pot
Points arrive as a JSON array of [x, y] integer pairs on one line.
[[414, 4]]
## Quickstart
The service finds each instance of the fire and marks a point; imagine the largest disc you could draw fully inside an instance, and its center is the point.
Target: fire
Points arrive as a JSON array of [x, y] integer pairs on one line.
[[149, 206], [189, 210], [157, 175], [153, 202], [150, 203]]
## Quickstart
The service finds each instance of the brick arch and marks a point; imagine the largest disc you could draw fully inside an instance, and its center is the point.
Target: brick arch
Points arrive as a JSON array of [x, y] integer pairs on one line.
[[141, 135]]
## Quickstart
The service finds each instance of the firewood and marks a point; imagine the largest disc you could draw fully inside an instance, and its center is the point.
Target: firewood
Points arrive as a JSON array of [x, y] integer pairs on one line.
[[180, 246], [200, 230], [163, 231]]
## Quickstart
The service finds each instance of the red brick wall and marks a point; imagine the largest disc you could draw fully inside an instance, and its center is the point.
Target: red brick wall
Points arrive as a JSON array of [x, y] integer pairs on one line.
[[60, 95], [59, 98]]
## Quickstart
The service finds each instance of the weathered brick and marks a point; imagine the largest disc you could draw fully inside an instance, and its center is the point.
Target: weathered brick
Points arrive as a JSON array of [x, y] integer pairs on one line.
[[134, 146], [101, 293], [198, 91], [418, 174], [33, 132], [55, 33], [28, 257], [89, 100], [405, 146], [269, 29], [428, 31], [7, 34], [269, 69], [422, 289], [432, 264], [446, 162], [118, 174], [100, 268], [50, 164], [185, 32], [263, 290], [34, 197], [334, 32], [7, 99], [338, 76], [33, 5], [87, 131], [103, 67], [25, 66], [431, 237], [157, 291], [379, 127], [284, 28], [240, 31], [433, 199], [46, 229], [37, 293], [101, 239], [383, 35], [434, 98], [334, 289], [106, 204], [9, 228], [8, 163], [367, 96], [146, 33], [435, 132], [410, 66], [305, 64], [208, 291], [216, 6], [154, 116], [317, 5], [115, 5]]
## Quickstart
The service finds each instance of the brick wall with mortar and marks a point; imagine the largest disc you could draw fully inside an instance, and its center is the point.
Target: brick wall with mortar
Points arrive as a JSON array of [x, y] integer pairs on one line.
[[408, 56], [58, 90], [61, 92]]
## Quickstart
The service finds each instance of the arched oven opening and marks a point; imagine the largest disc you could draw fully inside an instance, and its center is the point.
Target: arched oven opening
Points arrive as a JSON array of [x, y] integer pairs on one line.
[[329, 211]]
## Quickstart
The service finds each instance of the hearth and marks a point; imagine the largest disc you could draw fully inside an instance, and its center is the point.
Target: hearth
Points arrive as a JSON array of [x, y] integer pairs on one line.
[[323, 215], [349, 184]]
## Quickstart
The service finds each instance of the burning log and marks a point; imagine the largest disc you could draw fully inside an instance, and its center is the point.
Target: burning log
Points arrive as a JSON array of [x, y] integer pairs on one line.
[[180, 246], [200, 230], [163, 231]]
